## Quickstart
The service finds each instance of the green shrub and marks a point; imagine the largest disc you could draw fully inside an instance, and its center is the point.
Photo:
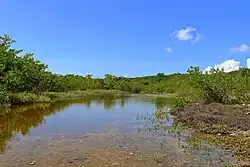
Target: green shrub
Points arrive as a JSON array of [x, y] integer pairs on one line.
[[135, 89], [169, 89], [221, 87], [180, 103], [4, 98]]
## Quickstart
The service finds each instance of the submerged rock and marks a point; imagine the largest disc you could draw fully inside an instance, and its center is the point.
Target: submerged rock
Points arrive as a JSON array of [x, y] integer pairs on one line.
[[115, 164], [131, 153], [232, 134], [32, 163]]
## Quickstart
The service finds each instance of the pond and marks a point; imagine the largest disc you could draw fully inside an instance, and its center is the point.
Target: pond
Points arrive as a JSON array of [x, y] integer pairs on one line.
[[103, 131]]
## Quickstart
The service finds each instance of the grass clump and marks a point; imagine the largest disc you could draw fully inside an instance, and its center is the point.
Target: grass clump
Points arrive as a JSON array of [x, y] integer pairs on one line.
[[7, 99], [239, 145], [27, 98]]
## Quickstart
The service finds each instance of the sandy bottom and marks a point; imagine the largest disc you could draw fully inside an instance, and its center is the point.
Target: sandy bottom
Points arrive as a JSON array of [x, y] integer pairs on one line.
[[97, 150]]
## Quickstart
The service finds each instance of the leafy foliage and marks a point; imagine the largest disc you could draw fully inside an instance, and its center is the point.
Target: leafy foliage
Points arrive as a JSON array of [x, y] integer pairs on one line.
[[216, 86]]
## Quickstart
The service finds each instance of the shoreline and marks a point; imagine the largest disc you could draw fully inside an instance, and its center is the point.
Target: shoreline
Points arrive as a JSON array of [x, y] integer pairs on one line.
[[25, 98], [20, 99], [226, 126]]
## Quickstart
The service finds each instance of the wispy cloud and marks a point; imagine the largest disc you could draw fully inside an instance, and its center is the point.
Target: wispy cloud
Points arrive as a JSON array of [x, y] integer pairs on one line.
[[187, 34], [241, 48], [169, 50]]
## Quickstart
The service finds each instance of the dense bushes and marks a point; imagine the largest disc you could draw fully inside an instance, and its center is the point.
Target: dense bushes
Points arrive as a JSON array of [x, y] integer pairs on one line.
[[216, 86]]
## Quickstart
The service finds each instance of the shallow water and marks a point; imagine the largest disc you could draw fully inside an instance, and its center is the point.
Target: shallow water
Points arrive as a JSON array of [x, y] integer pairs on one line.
[[102, 131]]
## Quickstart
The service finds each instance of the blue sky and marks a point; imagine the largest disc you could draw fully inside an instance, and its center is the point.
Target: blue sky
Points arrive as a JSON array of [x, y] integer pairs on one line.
[[129, 37]]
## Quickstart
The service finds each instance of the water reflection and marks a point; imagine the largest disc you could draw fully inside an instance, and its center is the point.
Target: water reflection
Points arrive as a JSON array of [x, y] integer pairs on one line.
[[21, 120], [162, 123], [158, 122]]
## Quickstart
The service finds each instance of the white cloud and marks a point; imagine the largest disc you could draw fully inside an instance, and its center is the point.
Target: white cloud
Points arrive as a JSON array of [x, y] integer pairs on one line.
[[187, 34], [208, 69], [169, 50], [248, 63], [228, 66], [241, 48], [198, 37]]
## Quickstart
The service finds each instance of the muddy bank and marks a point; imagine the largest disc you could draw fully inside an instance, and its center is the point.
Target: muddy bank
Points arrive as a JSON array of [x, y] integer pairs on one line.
[[215, 118], [226, 126]]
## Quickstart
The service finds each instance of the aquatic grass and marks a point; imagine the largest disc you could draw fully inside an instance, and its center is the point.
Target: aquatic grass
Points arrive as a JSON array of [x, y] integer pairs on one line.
[[76, 94], [239, 145], [22, 98], [27, 98], [12, 99]]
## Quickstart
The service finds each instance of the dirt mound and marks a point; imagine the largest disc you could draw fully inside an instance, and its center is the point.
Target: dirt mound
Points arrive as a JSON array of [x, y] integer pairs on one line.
[[214, 117], [230, 124]]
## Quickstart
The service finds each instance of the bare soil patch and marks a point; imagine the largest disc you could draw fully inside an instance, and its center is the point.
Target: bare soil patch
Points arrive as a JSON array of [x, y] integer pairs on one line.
[[214, 118], [225, 126]]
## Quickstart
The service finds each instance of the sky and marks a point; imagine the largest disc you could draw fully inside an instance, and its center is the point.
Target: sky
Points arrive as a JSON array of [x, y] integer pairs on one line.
[[130, 37]]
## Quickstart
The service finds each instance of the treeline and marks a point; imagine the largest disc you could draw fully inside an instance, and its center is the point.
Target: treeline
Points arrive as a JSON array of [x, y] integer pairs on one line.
[[30, 77], [26, 74]]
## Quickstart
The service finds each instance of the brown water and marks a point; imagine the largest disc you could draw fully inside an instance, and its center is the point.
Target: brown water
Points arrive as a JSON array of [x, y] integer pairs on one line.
[[102, 131]]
